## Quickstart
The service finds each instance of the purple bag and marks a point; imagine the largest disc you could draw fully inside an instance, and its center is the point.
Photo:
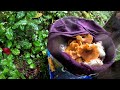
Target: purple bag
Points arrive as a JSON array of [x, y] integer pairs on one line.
[[65, 28]]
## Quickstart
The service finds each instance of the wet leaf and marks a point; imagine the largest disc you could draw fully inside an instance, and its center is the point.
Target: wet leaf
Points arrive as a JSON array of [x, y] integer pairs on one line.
[[31, 14], [20, 14], [9, 34], [15, 51], [36, 43], [27, 55], [9, 44], [2, 29], [21, 22], [32, 66], [1, 50], [29, 61]]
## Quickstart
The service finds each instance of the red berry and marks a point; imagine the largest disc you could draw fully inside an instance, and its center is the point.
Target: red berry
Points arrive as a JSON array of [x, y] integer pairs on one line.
[[6, 50]]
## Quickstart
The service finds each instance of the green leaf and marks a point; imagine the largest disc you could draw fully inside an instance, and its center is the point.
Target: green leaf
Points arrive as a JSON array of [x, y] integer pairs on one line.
[[37, 49], [27, 55], [12, 18], [48, 17], [31, 14], [117, 55], [2, 39], [14, 74], [4, 62], [37, 55], [1, 56], [36, 43], [34, 37], [44, 52], [26, 44], [42, 48], [12, 65], [10, 57], [1, 50], [37, 21], [2, 29], [2, 76], [46, 32], [9, 34], [22, 27], [46, 41], [33, 51], [5, 55], [18, 46], [5, 71], [11, 77], [17, 73], [33, 25], [9, 44], [20, 14], [21, 22], [15, 51], [29, 61], [32, 66], [22, 76], [44, 35]]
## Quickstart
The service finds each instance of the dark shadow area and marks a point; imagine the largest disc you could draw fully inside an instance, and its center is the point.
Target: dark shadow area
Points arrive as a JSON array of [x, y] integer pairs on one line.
[[111, 73]]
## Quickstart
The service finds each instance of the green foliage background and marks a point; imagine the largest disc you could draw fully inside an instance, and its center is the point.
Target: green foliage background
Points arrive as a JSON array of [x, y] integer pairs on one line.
[[26, 36]]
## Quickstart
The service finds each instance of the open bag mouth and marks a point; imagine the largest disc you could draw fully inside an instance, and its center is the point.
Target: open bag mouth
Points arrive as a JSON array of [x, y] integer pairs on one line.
[[64, 29]]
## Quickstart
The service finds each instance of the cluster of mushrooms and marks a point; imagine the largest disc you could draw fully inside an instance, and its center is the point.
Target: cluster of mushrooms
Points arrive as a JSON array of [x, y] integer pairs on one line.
[[82, 49]]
